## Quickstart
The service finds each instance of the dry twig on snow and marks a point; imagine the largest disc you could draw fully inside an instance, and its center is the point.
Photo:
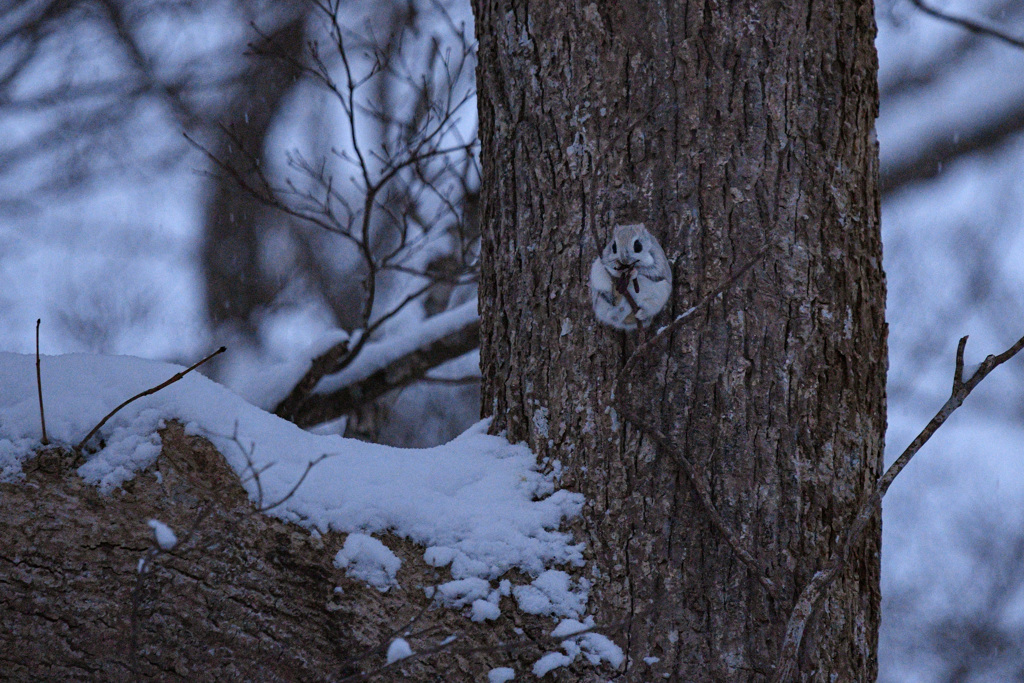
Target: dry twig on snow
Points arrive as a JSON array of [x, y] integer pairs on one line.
[[39, 383], [147, 392]]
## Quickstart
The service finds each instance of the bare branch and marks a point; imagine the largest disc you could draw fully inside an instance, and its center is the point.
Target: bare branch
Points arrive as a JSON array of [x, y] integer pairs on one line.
[[925, 163], [143, 64], [455, 381], [969, 24], [320, 366], [700, 485], [403, 371], [823, 578], [147, 392], [388, 224], [320, 369]]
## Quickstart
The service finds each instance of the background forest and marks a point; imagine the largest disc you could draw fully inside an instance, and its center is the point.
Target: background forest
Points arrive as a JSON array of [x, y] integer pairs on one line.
[[298, 179]]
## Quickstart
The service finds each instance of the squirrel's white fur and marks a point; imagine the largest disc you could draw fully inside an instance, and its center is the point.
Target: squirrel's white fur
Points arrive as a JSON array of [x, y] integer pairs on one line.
[[632, 280]]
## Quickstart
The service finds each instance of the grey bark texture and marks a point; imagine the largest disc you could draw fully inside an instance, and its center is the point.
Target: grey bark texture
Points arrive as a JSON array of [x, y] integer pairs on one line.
[[724, 127]]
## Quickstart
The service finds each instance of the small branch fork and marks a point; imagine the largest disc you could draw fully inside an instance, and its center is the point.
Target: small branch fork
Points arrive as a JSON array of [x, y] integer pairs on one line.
[[694, 474], [255, 472], [700, 485], [815, 589]]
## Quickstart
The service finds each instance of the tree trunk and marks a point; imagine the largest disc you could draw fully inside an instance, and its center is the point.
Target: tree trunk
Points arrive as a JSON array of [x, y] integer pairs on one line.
[[238, 289], [725, 128], [242, 597]]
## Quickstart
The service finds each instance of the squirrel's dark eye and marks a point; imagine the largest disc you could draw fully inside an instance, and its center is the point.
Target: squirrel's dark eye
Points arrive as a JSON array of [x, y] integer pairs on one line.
[[637, 247], [614, 250]]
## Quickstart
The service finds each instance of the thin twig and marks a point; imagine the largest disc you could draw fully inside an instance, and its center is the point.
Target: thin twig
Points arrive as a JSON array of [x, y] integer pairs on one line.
[[969, 24], [255, 473], [693, 473], [147, 392], [39, 383], [822, 579], [309, 466], [700, 485], [143, 571], [382, 646], [683, 317], [454, 381]]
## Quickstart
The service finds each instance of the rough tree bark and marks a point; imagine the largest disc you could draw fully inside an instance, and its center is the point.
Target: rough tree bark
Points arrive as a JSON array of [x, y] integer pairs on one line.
[[724, 127], [243, 597]]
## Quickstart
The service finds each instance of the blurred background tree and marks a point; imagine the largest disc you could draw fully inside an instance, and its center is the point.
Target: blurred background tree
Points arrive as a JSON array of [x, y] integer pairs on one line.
[[126, 238], [951, 133], [355, 123]]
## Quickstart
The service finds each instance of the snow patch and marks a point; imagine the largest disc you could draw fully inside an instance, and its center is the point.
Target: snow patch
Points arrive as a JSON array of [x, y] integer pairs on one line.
[[165, 537], [438, 557], [553, 592], [477, 500], [478, 504], [595, 647], [502, 674], [462, 592], [486, 610], [599, 648], [367, 559], [398, 649], [569, 627], [549, 662]]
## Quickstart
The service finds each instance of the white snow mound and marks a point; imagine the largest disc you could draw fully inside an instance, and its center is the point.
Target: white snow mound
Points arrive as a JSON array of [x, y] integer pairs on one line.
[[477, 502], [367, 559]]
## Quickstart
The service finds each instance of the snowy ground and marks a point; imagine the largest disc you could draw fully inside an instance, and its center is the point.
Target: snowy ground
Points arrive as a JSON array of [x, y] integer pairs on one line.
[[114, 269], [478, 504]]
